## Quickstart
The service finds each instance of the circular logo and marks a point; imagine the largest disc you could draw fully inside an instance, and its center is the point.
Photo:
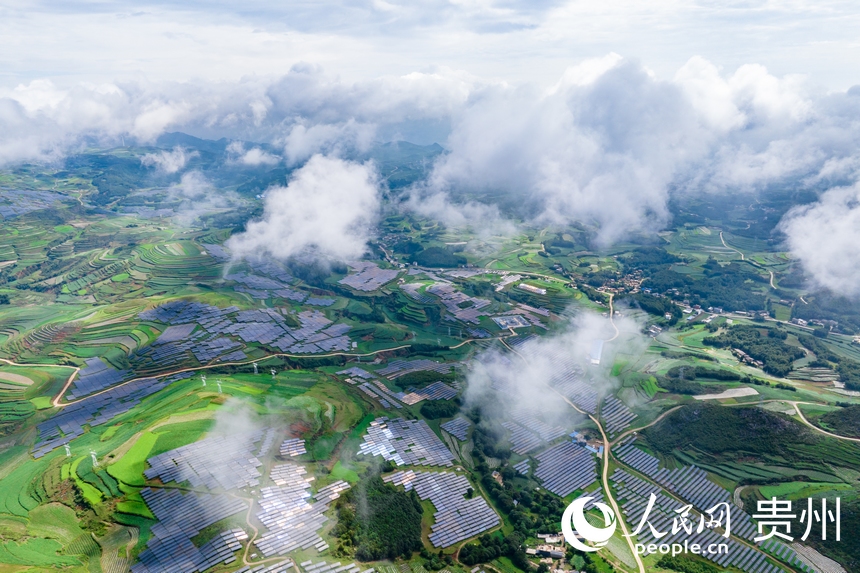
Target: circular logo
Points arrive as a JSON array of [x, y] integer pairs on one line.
[[574, 517]]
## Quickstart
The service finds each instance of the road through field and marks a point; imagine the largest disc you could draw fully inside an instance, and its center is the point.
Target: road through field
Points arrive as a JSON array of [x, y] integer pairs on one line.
[[743, 258]]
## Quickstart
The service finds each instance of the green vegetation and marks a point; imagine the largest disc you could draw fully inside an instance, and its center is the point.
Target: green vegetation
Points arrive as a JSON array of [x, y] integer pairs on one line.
[[378, 521], [844, 421], [718, 430], [687, 565], [421, 378], [750, 445], [438, 257], [769, 348], [436, 409], [492, 547], [77, 273]]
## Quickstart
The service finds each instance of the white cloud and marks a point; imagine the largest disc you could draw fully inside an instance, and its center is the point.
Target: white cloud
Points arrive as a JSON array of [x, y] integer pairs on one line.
[[602, 146], [168, 161], [606, 144], [253, 157], [511, 383], [304, 110], [330, 139], [197, 197], [329, 206], [480, 218], [825, 237]]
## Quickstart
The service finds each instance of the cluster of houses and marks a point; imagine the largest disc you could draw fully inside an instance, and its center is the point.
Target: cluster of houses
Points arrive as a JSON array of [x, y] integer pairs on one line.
[[550, 551], [746, 358]]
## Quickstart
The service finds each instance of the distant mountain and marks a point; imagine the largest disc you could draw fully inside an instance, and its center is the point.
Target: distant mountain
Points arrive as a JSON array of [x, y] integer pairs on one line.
[[179, 139]]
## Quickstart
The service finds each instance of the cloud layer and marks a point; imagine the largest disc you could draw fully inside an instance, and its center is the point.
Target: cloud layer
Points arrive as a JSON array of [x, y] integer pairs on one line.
[[509, 383], [328, 207], [825, 238], [608, 143]]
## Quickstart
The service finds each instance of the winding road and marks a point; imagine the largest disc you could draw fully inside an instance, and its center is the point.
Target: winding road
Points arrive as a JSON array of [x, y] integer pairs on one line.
[[56, 402], [605, 477], [743, 258]]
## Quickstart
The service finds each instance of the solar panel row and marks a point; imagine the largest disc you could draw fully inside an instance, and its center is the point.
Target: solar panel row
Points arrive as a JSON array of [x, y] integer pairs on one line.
[[458, 427], [405, 442], [565, 468], [180, 518], [293, 447], [96, 410], [688, 482], [368, 276], [219, 462], [434, 391], [635, 493], [290, 513], [456, 517]]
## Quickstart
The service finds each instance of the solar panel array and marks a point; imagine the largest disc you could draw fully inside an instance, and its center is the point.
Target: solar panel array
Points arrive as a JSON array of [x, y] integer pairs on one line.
[[615, 415], [522, 440], [293, 447], [397, 368], [290, 513], [434, 391], [175, 333], [411, 290], [217, 251], [384, 391], [790, 556], [380, 393], [458, 427], [219, 329], [15, 202], [96, 410], [688, 482], [528, 433], [285, 566], [323, 567], [356, 371], [271, 268], [456, 517], [542, 429], [95, 376], [180, 518], [368, 276], [566, 468], [596, 495], [529, 312], [219, 462], [405, 442], [511, 321], [452, 299], [277, 286], [635, 492], [266, 444], [523, 467]]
